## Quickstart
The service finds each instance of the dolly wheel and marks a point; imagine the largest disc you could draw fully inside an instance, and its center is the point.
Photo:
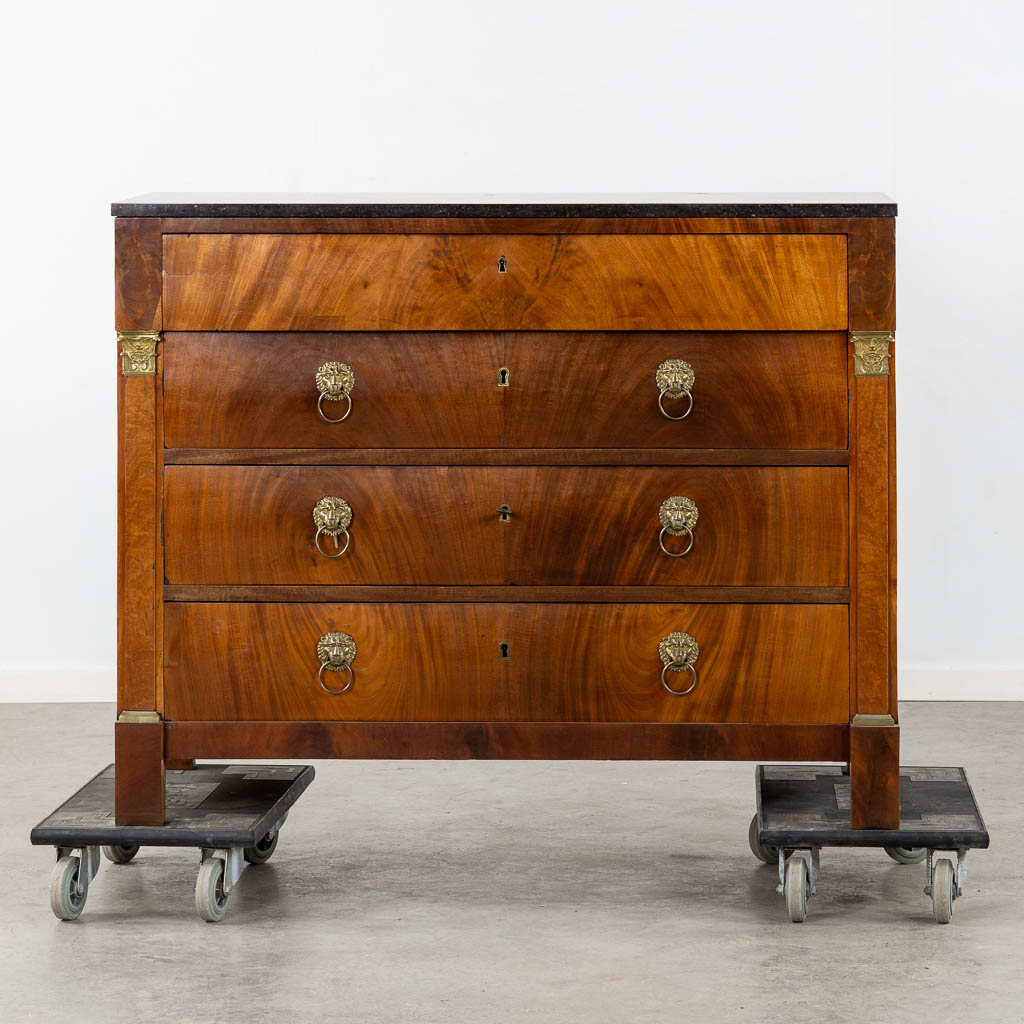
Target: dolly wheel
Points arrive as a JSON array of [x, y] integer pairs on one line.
[[211, 899], [121, 853], [763, 852], [907, 854], [67, 894], [943, 890], [264, 849], [795, 889]]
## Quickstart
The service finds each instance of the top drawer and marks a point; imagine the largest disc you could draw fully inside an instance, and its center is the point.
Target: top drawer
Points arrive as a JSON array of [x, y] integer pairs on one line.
[[716, 282]]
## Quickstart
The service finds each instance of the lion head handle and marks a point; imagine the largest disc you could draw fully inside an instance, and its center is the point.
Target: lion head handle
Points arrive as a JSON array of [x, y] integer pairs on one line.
[[336, 651]]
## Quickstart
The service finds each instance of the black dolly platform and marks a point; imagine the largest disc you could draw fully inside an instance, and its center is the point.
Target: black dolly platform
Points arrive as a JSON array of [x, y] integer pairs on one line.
[[801, 808], [231, 813]]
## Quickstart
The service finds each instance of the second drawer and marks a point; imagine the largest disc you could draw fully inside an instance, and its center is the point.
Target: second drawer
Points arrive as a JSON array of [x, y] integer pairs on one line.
[[567, 526]]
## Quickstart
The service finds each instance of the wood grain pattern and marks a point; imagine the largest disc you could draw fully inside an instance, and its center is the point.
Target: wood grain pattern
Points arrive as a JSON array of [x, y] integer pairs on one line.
[[874, 777], [331, 282], [870, 546], [565, 390], [138, 254], [140, 555], [138, 773], [676, 282], [575, 390], [569, 526], [413, 389], [872, 285], [452, 282], [502, 457], [441, 662], [512, 740]]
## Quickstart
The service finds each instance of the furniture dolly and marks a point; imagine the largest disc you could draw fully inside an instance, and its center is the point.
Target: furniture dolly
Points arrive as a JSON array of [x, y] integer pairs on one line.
[[802, 808], [232, 813]]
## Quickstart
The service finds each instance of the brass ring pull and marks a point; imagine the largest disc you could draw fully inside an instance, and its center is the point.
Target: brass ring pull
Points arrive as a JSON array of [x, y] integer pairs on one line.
[[345, 688], [678, 516], [327, 554], [336, 652], [332, 516], [335, 382], [679, 652], [675, 379], [661, 397], [340, 419]]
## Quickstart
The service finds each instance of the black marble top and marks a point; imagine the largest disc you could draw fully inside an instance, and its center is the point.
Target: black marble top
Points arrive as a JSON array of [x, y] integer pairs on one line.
[[500, 204]]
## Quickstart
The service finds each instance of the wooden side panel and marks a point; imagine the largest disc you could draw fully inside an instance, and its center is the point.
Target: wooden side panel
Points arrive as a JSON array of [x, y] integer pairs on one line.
[[581, 662], [139, 773], [140, 447], [520, 740], [569, 526], [470, 282], [677, 282], [874, 751], [332, 282]]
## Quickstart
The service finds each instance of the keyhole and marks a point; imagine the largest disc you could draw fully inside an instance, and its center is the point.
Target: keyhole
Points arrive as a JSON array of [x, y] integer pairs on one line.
[[502, 264], [504, 513], [503, 377], [503, 647]]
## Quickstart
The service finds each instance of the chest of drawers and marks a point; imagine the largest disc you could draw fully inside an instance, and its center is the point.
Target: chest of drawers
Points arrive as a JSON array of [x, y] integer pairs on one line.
[[536, 478]]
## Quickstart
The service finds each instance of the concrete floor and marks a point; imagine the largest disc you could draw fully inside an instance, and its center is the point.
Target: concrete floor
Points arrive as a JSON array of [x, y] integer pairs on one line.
[[506, 892]]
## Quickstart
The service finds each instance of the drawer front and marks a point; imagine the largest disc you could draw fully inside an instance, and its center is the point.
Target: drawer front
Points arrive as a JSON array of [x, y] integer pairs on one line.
[[563, 390], [755, 526], [565, 662], [717, 282]]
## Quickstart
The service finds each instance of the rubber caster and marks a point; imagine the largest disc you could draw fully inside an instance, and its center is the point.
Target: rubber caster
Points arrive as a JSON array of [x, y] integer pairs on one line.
[[795, 889], [67, 891], [122, 853], [766, 854], [211, 899], [943, 890], [264, 849], [907, 854]]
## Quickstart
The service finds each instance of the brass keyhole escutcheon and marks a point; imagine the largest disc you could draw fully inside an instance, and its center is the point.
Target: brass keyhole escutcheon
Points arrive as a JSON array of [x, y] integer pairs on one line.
[[503, 649], [503, 377], [504, 513], [502, 264]]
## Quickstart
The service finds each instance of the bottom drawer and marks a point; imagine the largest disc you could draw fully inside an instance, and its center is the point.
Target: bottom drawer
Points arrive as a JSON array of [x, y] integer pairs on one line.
[[506, 662]]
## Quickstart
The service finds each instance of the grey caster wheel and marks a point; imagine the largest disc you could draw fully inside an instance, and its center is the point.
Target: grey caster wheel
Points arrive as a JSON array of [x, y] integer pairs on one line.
[[211, 899], [767, 854], [122, 853], [67, 891], [943, 890], [795, 889]]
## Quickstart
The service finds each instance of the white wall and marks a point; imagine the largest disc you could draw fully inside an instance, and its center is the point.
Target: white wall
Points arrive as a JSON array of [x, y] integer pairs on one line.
[[922, 100]]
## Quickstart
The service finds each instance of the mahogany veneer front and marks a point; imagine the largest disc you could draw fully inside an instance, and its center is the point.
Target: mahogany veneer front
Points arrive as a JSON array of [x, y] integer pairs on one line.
[[292, 282], [566, 662], [570, 526], [575, 390]]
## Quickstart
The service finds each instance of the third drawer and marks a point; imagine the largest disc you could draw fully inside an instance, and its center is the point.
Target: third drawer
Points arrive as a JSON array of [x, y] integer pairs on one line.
[[506, 662], [490, 525]]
